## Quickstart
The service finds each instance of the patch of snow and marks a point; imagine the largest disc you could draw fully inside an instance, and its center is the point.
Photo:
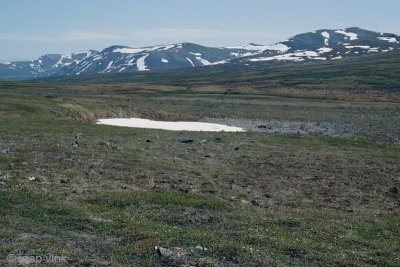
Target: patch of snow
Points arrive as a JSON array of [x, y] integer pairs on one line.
[[358, 46], [352, 36], [196, 54], [126, 50], [323, 50], [163, 60], [171, 126], [389, 39], [108, 67], [141, 63], [190, 61], [203, 61], [277, 47], [336, 58], [326, 35]]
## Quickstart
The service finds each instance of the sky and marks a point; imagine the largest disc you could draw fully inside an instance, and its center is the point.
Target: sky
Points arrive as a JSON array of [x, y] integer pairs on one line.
[[31, 28]]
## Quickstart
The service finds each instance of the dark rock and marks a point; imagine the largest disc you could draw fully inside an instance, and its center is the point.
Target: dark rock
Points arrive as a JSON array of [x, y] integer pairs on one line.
[[261, 126], [5, 151], [218, 139], [104, 144], [237, 148], [79, 136], [185, 140], [209, 155], [148, 141], [63, 181], [394, 190], [2, 180], [75, 144], [201, 142]]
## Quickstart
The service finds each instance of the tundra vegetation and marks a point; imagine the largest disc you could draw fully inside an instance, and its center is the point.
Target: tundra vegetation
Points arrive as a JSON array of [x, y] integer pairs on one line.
[[314, 180]]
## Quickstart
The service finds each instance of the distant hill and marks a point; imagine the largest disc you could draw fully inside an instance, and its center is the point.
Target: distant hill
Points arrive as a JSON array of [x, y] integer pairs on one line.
[[320, 45]]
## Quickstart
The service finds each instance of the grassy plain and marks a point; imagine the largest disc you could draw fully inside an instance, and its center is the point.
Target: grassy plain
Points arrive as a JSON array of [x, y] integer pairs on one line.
[[280, 199]]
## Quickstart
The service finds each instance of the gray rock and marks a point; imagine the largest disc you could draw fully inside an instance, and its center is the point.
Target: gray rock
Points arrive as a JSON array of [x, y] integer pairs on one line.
[[32, 178], [79, 136], [5, 151], [201, 142], [185, 140], [164, 252], [394, 190], [237, 148], [104, 143], [2, 180], [75, 144], [261, 126], [218, 139]]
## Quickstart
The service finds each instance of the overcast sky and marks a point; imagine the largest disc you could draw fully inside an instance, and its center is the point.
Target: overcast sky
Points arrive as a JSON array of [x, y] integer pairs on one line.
[[30, 28]]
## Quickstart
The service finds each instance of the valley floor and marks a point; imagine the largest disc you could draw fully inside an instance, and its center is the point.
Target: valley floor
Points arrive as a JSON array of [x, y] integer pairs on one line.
[[314, 182]]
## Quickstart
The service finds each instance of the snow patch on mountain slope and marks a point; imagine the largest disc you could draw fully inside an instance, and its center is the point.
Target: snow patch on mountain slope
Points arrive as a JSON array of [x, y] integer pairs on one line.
[[163, 60], [190, 61], [389, 39], [326, 35], [296, 57], [277, 47], [323, 50], [352, 36], [141, 63], [196, 54], [203, 61]]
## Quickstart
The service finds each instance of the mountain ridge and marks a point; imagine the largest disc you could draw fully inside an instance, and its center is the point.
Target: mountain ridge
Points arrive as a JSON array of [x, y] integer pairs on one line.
[[319, 45]]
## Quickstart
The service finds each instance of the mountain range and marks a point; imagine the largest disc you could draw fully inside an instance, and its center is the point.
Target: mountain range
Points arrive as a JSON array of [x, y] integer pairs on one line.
[[320, 45]]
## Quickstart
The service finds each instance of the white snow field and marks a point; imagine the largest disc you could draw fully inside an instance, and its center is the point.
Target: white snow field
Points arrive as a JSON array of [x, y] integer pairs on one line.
[[170, 125]]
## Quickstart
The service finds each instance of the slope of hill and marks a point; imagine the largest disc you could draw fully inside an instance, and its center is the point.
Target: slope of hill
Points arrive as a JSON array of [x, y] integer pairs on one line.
[[321, 45]]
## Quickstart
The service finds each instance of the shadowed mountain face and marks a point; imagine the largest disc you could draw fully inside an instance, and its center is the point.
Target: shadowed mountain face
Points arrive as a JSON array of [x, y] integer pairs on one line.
[[313, 46]]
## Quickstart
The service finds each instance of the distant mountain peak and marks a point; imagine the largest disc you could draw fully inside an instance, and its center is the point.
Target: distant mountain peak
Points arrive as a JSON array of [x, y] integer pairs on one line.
[[319, 45]]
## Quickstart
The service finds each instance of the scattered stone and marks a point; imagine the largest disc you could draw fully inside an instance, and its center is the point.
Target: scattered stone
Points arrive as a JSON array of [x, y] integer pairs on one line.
[[2, 180], [79, 136], [218, 139], [185, 140], [148, 141], [209, 155], [32, 178], [243, 201], [75, 144], [164, 252], [201, 248], [63, 181], [104, 143], [5, 151], [261, 126], [394, 190], [237, 148], [201, 142]]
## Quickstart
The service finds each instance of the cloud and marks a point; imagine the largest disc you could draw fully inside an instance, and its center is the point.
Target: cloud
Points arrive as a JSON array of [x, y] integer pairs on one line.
[[70, 36], [143, 35]]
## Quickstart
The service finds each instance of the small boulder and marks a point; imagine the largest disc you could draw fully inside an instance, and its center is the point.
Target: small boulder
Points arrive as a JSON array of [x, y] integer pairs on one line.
[[164, 252], [185, 140], [2, 180], [237, 148], [32, 178], [79, 136], [75, 144], [104, 143], [394, 190], [218, 139], [261, 126], [201, 142]]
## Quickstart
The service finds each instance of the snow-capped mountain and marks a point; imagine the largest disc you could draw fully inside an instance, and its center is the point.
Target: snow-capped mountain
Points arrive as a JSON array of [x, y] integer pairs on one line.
[[313, 46], [331, 45]]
